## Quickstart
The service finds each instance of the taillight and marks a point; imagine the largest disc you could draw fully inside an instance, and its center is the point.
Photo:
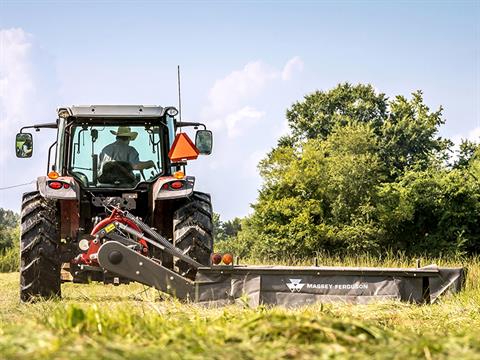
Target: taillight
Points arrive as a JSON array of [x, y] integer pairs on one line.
[[216, 258], [176, 185], [55, 185], [227, 259]]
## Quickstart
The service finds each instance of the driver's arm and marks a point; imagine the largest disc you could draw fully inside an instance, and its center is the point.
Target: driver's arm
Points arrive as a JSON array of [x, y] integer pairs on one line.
[[136, 163], [142, 165]]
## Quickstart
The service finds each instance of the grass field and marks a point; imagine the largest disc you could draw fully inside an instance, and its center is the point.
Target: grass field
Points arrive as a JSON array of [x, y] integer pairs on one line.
[[106, 322]]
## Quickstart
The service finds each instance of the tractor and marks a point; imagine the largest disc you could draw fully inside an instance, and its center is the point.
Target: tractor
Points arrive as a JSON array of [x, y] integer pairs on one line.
[[108, 159], [116, 206]]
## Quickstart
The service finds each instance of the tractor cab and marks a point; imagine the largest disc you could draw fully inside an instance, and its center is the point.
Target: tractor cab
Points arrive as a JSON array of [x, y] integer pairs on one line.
[[116, 154], [118, 146]]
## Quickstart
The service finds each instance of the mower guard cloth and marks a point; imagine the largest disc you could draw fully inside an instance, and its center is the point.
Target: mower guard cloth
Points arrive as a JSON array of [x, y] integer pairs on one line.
[[297, 286], [284, 285]]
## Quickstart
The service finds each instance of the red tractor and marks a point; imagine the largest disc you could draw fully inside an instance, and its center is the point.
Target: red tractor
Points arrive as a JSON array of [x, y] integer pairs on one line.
[[119, 168]]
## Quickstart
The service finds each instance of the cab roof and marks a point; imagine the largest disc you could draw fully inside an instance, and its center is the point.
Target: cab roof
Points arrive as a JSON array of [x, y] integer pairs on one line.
[[111, 111]]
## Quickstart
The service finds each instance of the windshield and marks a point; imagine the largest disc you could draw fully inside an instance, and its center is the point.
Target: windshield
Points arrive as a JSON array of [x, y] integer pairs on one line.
[[115, 155]]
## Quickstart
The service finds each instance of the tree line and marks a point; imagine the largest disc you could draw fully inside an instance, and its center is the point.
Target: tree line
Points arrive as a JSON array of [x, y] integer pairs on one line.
[[9, 222], [359, 172]]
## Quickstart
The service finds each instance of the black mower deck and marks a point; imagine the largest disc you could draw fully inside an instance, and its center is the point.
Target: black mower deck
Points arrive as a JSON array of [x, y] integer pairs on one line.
[[281, 285]]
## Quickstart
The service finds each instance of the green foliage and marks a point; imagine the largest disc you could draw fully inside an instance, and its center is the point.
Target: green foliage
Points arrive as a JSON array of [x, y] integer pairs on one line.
[[474, 164], [9, 240], [406, 129], [8, 229], [408, 136], [320, 112], [469, 158], [8, 218], [316, 198], [10, 258], [433, 211], [361, 173], [9, 237], [225, 231], [468, 153]]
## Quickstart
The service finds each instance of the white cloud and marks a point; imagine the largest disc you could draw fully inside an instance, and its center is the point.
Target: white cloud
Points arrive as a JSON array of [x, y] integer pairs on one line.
[[474, 135], [16, 83], [230, 97], [227, 93], [293, 65], [240, 120], [27, 96], [245, 110]]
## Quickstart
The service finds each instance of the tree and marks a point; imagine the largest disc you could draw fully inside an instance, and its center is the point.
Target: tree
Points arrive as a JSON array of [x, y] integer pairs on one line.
[[218, 234], [318, 113], [431, 211], [317, 197], [232, 227], [9, 237], [406, 129], [8, 218], [409, 135], [8, 229], [468, 153], [225, 230], [360, 172], [474, 164]]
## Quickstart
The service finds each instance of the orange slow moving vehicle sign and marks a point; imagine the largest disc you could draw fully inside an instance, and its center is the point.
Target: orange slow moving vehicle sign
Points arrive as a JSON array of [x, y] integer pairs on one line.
[[183, 149]]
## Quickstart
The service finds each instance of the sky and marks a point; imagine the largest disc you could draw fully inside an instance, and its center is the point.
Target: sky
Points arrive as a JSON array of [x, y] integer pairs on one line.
[[243, 64]]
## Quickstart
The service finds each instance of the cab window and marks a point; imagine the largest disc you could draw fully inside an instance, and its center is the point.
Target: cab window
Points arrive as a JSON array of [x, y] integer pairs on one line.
[[116, 155]]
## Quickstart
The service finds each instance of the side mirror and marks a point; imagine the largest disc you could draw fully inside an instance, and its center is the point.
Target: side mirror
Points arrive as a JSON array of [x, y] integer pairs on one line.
[[24, 145], [204, 141]]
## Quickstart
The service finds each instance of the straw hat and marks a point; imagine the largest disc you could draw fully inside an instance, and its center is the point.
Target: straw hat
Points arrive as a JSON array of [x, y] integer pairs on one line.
[[125, 131]]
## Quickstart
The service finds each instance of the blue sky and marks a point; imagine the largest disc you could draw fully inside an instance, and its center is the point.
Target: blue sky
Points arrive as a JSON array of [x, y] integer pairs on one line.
[[243, 64]]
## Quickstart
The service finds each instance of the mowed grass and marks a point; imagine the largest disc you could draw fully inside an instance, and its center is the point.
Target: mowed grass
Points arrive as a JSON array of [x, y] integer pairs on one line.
[[130, 321]]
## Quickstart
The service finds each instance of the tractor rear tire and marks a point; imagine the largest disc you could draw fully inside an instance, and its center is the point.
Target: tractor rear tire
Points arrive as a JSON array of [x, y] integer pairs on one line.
[[39, 252], [192, 232]]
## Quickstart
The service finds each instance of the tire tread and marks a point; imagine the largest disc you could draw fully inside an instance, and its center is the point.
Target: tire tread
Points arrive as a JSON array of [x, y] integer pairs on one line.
[[193, 231], [40, 263]]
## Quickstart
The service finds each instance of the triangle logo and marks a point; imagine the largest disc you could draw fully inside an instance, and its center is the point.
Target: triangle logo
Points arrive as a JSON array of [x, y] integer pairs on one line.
[[295, 285], [183, 149]]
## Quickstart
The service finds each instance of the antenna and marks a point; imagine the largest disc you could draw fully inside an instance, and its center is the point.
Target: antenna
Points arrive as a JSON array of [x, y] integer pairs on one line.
[[179, 94]]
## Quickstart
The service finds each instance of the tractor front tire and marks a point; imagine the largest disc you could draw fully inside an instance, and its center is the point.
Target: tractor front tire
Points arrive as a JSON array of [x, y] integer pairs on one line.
[[192, 232], [39, 252]]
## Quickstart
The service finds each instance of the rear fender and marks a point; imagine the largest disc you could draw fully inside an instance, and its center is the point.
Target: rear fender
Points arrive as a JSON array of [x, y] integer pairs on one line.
[[163, 190], [70, 190]]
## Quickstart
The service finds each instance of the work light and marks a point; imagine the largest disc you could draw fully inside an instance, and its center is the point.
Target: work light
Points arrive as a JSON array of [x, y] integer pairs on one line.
[[172, 111]]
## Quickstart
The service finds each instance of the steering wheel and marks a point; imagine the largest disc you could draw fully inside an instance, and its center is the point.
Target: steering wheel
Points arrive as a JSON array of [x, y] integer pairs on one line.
[[143, 174], [117, 171]]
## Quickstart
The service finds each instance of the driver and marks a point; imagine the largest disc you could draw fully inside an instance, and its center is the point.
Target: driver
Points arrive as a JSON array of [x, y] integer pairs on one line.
[[120, 150]]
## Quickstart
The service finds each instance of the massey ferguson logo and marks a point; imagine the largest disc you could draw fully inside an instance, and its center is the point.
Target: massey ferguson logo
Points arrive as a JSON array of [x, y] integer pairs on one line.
[[294, 285]]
